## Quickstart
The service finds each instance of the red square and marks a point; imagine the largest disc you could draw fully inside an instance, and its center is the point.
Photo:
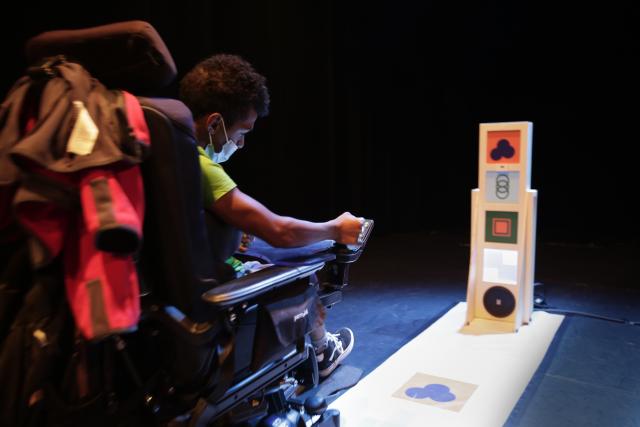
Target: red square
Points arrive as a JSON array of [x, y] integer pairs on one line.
[[501, 227]]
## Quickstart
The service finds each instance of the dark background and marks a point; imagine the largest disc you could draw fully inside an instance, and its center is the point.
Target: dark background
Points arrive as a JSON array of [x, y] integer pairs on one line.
[[375, 108]]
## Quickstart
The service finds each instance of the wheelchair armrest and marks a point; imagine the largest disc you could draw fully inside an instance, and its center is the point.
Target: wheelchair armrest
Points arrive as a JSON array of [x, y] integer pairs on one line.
[[256, 284]]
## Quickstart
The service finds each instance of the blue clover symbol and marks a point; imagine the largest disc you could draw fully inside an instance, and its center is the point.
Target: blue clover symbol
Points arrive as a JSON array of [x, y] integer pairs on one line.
[[503, 149], [437, 392]]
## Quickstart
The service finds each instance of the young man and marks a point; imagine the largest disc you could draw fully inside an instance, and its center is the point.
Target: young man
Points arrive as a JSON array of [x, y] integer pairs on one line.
[[226, 96]]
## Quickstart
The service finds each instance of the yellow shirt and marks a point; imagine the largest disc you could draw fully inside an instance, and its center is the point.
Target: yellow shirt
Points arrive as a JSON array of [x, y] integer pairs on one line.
[[215, 181]]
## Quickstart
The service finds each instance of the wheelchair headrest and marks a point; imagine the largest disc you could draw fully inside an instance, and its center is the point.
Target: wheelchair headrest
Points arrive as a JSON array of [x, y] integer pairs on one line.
[[178, 113], [127, 55]]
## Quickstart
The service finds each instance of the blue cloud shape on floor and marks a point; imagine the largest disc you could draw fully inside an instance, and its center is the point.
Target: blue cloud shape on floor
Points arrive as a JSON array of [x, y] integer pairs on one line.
[[437, 392]]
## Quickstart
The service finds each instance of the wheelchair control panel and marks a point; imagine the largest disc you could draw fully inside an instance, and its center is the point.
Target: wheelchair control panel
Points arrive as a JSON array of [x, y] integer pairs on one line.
[[367, 226], [351, 253], [346, 255]]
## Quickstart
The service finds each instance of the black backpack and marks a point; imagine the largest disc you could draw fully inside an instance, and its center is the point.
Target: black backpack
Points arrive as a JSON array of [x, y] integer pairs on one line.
[[49, 374]]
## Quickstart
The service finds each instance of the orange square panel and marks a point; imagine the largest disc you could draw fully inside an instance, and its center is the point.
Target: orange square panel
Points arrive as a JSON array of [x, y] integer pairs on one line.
[[503, 146]]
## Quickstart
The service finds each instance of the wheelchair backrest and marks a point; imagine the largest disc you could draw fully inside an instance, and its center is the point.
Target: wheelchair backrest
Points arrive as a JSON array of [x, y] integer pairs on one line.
[[175, 261]]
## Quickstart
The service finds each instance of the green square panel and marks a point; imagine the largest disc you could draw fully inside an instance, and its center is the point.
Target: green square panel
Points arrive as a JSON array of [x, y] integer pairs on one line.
[[501, 227]]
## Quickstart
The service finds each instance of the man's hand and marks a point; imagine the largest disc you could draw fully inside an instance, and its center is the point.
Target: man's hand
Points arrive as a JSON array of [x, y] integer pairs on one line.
[[348, 228]]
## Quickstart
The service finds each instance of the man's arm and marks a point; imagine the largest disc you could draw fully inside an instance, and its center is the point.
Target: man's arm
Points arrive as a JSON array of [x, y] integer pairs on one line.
[[251, 216]]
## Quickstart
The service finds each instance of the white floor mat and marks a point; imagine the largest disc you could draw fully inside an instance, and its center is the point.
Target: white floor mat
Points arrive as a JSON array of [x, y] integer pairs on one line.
[[450, 376]]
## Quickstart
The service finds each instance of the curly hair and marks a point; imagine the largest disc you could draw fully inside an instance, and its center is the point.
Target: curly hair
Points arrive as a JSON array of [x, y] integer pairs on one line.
[[226, 84]]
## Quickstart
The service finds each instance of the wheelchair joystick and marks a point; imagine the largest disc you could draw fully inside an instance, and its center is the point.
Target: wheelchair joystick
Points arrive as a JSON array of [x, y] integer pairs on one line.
[[348, 254]]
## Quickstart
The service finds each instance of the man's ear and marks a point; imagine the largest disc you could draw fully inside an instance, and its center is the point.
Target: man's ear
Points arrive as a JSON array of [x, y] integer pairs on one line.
[[212, 121]]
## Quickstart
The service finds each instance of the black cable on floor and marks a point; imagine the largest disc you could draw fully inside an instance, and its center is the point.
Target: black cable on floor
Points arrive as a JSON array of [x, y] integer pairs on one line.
[[585, 314], [540, 304]]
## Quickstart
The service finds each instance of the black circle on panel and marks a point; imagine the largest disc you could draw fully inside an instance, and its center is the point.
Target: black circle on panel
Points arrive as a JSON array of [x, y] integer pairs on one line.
[[499, 301]]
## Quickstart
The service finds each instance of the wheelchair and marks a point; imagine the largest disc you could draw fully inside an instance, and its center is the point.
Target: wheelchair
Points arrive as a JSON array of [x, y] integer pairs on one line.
[[206, 351]]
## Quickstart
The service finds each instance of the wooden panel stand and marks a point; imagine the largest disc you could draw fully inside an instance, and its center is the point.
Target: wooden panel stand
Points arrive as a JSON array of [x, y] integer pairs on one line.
[[503, 228]]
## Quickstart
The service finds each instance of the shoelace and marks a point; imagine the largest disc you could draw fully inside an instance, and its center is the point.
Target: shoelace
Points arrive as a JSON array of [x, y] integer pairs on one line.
[[338, 344]]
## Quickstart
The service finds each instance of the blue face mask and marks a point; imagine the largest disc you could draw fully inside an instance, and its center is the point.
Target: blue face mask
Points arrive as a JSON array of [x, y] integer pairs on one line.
[[228, 148]]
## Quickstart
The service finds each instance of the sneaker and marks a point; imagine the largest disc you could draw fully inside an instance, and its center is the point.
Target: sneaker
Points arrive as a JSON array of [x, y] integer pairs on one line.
[[339, 345]]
